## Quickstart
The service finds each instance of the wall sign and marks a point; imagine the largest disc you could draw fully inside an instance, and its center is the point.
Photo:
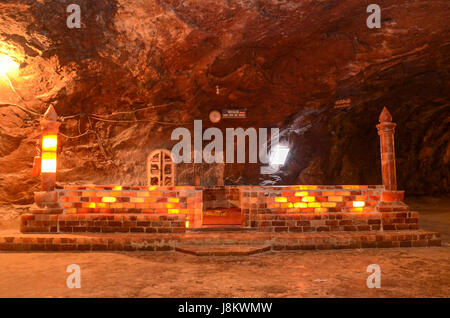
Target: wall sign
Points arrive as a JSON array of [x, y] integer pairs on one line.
[[234, 113]]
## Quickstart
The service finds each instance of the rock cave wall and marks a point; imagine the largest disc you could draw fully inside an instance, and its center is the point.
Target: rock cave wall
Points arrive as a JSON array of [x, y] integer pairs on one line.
[[287, 62]]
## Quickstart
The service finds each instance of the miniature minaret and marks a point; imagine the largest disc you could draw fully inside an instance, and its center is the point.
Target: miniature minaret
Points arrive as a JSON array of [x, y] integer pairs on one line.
[[386, 129]]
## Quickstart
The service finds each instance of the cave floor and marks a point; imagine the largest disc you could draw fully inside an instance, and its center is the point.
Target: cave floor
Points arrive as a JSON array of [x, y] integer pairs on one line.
[[409, 272], [413, 272]]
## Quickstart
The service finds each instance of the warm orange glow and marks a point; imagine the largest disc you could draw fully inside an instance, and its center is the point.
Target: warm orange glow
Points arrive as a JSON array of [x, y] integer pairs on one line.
[[92, 205], [49, 142], [174, 211], [8, 66], [359, 204], [48, 162], [335, 198], [300, 205], [301, 194], [108, 199], [152, 188], [175, 200], [314, 205], [320, 210], [280, 199], [117, 188], [307, 187], [308, 199], [187, 224]]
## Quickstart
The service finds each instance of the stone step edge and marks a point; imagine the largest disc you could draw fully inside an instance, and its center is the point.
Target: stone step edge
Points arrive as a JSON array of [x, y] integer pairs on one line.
[[338, 240], [222, 250]]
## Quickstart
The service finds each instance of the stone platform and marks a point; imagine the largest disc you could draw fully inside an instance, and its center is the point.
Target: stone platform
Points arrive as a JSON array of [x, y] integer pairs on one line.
[[217, 243]]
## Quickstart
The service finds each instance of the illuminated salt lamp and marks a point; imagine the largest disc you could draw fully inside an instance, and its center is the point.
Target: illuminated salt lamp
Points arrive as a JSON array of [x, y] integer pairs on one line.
[[48, 162], [8, 66], [359, 204], [49, 144]]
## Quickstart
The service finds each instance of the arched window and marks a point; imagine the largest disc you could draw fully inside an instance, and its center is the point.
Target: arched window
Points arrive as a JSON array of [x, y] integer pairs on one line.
[[160, 168]]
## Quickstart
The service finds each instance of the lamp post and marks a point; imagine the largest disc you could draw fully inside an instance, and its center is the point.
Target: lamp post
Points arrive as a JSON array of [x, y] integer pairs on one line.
[[46, 200], [386, 129], [50, 128]]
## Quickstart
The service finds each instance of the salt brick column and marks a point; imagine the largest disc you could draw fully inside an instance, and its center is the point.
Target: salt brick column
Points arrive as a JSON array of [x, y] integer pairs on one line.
[[46, 200], [386, 130]]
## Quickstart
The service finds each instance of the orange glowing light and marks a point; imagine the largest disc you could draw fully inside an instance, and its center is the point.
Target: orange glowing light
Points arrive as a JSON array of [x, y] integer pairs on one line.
[[301, 194], [48, 162], [308, 199], [280, 199], [300, 205], [174, 200], [108, 199], [314, 205], [174, 211], [8, 65], [49, 142], [117, 188], [187, 224], [359, 204]]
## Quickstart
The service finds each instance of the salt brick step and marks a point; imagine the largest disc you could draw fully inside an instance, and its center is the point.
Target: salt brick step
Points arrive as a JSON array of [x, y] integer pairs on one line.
[[222, 250], [14, 241]]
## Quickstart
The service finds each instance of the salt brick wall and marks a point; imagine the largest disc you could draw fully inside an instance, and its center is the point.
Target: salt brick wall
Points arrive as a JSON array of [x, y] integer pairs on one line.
[[133, 199], [299, 208]]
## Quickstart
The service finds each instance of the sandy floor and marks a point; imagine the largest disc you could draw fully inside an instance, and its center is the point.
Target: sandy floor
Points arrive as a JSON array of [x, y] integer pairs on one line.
[[421, 272], [418, 272]]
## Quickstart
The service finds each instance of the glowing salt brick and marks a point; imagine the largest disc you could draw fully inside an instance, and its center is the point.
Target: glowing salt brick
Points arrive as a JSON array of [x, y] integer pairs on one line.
[[361, 198], [173, 211], [91, 205], [300, 205], [357, 209], [307, 187], [329, 193], [174, 200], [335, 198], [320, 210], [49, 143], [48, 162], [350, 187], [359, 204], [308, 199], [314, 205], [109, 199], [137, 200], [67, 205], [329, 204], [117, 188], [101, 205], [115, 194], [342, 192], [301, 194], [143, 194], [280, 199], [187, 224], [290, 205]]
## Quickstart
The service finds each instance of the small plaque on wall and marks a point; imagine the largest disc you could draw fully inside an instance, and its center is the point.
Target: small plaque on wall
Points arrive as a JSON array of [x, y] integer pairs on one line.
[[234, 113]]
